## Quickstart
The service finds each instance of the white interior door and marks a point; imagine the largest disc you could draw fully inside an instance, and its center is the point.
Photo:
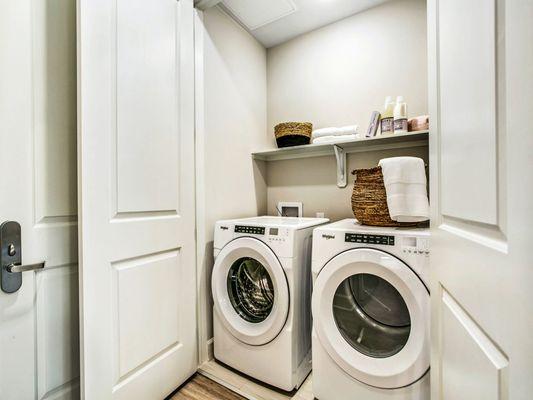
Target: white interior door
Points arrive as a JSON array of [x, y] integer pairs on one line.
[[39, 347], [136, 188], [481, 157]]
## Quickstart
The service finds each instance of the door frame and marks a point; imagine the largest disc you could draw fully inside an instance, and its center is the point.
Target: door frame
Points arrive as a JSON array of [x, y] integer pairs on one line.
[[203, 293]]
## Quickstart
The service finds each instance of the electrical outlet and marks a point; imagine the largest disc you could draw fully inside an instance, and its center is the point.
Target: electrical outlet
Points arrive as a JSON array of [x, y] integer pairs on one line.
[[320, 215]]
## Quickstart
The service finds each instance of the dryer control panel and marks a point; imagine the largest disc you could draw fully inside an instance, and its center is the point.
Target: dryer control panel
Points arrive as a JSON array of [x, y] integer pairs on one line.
[[369, 239], [271, 235]]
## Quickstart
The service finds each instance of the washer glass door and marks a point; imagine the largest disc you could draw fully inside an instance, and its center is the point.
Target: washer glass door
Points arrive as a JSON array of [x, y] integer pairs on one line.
[[250, 289], [371, 315]]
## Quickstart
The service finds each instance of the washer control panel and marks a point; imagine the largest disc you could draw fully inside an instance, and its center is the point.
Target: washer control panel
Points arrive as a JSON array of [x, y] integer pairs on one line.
[[254, 230], [369, 239]]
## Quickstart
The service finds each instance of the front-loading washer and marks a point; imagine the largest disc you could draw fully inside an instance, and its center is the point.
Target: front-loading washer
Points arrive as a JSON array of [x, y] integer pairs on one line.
[[261, 286], [371, 312]]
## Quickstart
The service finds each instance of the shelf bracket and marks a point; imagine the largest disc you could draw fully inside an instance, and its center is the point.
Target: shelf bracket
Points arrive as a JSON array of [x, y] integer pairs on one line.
[[340, 155]]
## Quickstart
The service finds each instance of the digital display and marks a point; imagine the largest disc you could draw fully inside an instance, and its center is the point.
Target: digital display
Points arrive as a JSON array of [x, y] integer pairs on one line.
[[369, 239], [254, 230], [274, 231]]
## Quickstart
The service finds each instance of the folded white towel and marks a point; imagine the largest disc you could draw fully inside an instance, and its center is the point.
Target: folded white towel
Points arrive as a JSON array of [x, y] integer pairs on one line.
[[335, 139], [345, 130], [325, 132], [403, 169], [348, 130], [405, 184]]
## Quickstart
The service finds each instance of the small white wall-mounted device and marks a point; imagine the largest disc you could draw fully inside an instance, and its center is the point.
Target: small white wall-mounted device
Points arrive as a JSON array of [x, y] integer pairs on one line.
[[290, 208]]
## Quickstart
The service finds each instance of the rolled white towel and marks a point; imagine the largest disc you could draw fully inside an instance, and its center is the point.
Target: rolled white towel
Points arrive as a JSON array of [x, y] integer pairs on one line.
[[335, 139], [405, 184], [333, 131]]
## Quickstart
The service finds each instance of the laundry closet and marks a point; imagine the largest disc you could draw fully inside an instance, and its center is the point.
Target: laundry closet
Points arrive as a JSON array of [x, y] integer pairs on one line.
[[140, 149], [439, 56], [333, 76]]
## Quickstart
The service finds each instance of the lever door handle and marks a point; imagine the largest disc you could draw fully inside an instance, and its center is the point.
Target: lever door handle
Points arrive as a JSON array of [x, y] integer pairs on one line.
[[23, 268]]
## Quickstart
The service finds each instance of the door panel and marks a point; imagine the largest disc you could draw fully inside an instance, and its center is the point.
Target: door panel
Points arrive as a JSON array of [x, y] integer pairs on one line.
[[54, 77], [39, 345], [480, 159], [467, 55], [136, 149], [142, 286], [147, 106], [472, 366], [57, 321]]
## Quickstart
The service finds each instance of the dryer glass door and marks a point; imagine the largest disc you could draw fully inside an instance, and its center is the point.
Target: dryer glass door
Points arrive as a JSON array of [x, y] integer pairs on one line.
[[250, 289], [371, 315]]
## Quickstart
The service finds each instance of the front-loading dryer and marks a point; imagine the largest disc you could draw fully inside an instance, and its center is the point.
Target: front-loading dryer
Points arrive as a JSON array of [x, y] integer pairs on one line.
[[261, 286], [371, 312]]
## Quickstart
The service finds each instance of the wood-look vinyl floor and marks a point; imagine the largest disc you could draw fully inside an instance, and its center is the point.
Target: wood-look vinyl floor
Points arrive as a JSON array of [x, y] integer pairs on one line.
[[201, 388]]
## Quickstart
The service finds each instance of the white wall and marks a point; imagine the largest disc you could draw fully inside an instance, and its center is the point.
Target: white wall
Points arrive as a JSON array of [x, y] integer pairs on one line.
[[338, 75], [234, 125]]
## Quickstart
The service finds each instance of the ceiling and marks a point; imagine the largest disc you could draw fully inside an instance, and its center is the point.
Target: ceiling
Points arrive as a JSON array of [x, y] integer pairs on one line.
[[273, 22]]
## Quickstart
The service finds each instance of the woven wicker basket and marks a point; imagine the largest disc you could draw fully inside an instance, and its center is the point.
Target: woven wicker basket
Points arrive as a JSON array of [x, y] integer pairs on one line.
[[369, 199], [293, 133]]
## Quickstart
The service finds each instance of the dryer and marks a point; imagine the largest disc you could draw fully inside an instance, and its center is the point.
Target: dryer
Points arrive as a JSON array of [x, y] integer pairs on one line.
[[371, 312], [261, 286]]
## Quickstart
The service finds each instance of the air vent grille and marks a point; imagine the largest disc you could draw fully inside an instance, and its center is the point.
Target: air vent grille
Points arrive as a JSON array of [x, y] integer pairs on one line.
[[258, 13]]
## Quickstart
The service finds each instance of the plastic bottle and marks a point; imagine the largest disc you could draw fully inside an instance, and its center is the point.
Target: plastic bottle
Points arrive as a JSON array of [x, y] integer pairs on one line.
[[400, 116], [387, 116]]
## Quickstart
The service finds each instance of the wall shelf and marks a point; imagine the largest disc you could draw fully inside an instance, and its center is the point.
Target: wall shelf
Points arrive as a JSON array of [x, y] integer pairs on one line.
[[341, 148]]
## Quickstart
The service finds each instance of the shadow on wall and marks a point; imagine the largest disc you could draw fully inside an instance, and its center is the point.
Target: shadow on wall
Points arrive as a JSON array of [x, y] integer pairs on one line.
[[205, 275], [260, 184]]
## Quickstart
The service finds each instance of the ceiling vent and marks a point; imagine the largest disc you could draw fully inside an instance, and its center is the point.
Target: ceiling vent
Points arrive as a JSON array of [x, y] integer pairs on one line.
[[258, 13]]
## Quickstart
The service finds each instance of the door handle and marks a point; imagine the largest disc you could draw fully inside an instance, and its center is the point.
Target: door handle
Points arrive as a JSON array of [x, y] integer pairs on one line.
[[12, 268]]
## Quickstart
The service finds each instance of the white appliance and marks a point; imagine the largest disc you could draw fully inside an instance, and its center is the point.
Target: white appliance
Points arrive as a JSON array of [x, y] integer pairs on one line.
[[261, 287], [371, 312]]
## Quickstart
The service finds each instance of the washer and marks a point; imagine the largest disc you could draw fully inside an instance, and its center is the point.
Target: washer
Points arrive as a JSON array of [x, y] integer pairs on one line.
[[261, 286], [371, 312]]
